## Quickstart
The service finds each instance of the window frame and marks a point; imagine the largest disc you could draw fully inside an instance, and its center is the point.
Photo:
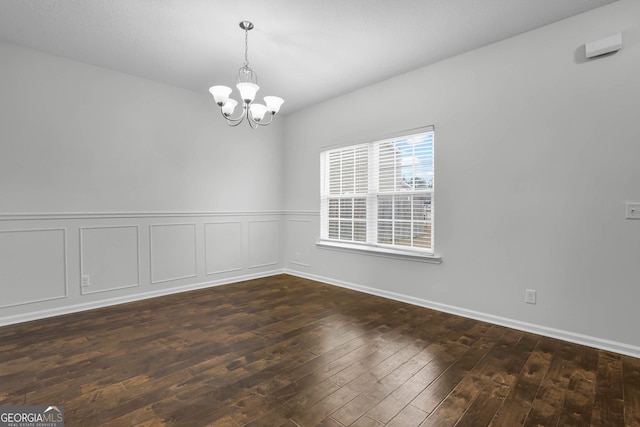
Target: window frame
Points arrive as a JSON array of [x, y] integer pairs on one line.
[[332, 217]]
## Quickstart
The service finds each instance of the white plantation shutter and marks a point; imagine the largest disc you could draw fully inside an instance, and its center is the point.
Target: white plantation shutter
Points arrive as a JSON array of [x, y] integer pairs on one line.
[[345, 182], [380, 193]]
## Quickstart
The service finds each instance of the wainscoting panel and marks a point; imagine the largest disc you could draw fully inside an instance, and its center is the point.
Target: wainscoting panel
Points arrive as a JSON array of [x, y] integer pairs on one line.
[[223, 247], [298, 238], [264, 243], [127, 256], [109, 258], [33, 265], [173, 252]]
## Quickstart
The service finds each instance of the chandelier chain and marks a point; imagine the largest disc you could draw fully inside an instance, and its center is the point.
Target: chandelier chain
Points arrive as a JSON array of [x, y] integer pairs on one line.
[[246, 47]]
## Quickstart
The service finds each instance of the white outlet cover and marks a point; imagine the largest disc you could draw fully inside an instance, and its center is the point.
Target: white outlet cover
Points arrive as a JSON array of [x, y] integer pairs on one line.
[[632, 210], [530, 296]]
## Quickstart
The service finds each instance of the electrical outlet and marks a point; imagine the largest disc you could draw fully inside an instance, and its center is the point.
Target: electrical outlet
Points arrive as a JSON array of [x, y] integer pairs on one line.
[[530, 296], [85, 281], [633, 210]]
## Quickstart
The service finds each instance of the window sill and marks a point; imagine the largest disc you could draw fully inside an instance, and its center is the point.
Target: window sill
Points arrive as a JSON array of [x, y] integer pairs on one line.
[[379, 251]]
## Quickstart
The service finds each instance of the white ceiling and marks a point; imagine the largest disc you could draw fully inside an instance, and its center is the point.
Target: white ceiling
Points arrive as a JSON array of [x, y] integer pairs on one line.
[[305, 51]]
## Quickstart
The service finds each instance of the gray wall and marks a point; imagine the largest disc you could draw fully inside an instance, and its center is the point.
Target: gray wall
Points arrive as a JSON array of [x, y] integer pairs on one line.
[[137, 185], [536, 152]]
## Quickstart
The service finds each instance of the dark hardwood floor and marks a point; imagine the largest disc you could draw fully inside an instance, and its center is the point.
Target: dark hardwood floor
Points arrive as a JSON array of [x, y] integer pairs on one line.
[[285, 351]]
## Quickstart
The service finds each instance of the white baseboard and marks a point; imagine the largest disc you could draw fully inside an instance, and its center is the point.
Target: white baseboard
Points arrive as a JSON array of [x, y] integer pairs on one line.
[[42, 314], [600, 343]]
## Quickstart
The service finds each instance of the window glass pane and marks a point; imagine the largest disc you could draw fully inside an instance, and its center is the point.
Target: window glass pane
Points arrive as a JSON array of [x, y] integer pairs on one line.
[[333, 229], [416, 159], [360, 231], [333, 208], [408, 181], [420, 180], [429, 181], [421, 234], [360, 208], [385, 232], [346, 230], [346, 208], [385, 207], [402, 233], [421, 207], [402, 208]]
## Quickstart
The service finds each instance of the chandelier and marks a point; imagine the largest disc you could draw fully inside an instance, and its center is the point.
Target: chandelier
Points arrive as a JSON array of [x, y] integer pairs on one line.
[[247, 84]]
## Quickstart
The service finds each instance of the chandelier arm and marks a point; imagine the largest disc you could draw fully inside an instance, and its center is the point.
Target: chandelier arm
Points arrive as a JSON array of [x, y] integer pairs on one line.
[[234, 121], [252, 123], [261, 123]]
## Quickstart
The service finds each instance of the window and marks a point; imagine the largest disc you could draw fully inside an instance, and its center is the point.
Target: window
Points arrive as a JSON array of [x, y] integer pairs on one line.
[[379, 195]]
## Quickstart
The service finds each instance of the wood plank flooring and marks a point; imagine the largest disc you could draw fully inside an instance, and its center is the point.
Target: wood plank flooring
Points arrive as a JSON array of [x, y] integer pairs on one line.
[[286, 351]]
